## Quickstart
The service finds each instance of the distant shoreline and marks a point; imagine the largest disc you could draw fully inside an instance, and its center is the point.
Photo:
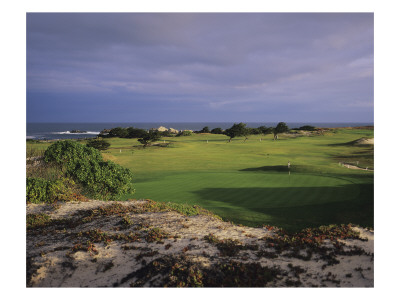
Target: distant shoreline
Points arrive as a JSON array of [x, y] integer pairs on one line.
[[91, 134]]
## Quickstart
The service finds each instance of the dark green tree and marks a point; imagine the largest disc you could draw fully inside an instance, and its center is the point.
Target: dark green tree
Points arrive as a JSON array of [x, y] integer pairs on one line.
[[205, 130], [236, 130], [149, 137], [118, 132], [265, 130], [217, 130], [280, 128], [135, 133], [98, 144], [254, 131]]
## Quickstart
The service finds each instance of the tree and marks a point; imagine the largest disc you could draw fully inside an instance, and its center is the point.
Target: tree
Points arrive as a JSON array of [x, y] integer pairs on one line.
[[217, 130], [254, 131], [280, 128], [149, 137], [265, 130], [98, 144], [236, 130], [205, 130], [118, 132], [135, 133]]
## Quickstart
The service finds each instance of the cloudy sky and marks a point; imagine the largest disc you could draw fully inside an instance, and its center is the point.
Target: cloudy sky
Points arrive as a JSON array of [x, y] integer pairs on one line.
[[261, 67]]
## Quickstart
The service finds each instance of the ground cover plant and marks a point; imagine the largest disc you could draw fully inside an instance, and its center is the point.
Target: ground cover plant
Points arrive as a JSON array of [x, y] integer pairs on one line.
[[249, 182], [82, 163], [146, 243]]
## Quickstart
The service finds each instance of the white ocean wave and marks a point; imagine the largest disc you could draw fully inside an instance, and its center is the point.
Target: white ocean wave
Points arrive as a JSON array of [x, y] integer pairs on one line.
[[68, 132]]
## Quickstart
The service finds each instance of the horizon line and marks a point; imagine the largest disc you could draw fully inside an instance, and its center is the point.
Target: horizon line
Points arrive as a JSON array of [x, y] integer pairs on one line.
[[326, 122]]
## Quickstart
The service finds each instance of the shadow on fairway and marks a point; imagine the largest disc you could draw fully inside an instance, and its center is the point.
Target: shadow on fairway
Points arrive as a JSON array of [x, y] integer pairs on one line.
[[353, 144], [268, 169], [292, 208], [282, 169]]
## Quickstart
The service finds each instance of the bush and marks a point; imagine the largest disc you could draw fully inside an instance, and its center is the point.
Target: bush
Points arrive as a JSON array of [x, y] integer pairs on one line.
[[39, 190], [68, 153], [307, 128], [98, 144], [106, 180], [85, 164], [36, 190], [184, 133]]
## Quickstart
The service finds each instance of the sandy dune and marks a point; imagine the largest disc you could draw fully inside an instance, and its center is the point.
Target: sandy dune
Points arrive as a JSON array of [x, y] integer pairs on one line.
[[95, 244]]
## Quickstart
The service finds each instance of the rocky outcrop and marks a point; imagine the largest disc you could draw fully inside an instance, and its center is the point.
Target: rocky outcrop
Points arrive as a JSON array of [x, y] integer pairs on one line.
[[105, 131], [172, 130], [78, 131]]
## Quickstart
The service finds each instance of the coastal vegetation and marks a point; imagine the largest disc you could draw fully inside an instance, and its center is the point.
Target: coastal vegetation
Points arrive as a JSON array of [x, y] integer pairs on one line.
[[99, 144], [69, 162]]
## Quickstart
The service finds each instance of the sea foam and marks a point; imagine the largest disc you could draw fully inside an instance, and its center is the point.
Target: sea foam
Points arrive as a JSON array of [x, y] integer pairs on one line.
[[68, 132]]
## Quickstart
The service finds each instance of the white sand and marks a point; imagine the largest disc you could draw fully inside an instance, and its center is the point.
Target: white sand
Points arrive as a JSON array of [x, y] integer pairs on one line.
[[49, 266]]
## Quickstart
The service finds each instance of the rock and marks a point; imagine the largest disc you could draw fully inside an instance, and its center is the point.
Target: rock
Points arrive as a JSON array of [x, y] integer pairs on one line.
[[162, 128], [172, 130], [78, 131]]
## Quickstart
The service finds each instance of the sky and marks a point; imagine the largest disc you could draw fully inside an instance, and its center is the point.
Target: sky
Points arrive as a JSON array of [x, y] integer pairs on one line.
[[200, 67]]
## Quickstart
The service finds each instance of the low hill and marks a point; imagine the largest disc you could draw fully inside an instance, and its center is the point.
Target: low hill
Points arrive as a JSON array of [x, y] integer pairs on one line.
[[145, 243]]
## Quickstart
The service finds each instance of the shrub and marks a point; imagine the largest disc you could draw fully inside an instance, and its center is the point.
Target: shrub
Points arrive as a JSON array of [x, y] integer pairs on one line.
[[37, 220], [184, 133], [39, 190], [69, 153], [36, 190], [106, 180], [98, 144], [85, 164], [308, 128]]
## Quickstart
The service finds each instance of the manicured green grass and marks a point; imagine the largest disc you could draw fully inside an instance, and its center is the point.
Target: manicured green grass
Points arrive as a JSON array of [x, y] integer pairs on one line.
[[249, 182]]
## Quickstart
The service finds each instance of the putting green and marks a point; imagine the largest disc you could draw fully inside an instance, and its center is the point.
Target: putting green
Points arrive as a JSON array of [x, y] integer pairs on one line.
[[256, 198]]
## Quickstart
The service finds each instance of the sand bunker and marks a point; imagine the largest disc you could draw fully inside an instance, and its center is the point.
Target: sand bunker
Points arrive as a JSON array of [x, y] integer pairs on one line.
[[364, 141]]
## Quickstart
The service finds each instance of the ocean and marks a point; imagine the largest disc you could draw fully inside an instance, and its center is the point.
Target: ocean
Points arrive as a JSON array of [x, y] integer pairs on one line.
[[51, 131]]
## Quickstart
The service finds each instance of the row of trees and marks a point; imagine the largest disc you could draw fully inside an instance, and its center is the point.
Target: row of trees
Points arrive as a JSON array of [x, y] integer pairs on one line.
[[240, 129], [130, 133], [237, 130]]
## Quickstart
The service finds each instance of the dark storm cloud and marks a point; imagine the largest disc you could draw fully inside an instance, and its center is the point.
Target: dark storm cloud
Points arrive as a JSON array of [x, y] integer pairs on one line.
[[224, 63]]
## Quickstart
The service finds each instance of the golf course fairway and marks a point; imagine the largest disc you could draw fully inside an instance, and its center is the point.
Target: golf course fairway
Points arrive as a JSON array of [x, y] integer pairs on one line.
[[248, 181]]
